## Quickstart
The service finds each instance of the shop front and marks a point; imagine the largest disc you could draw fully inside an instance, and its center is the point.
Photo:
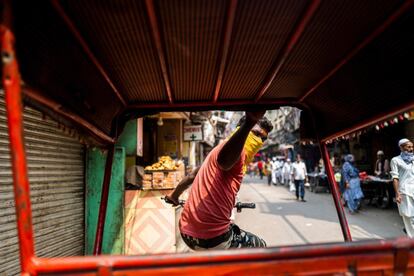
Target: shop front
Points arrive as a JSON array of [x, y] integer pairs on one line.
[[152, 173], [366, 144]]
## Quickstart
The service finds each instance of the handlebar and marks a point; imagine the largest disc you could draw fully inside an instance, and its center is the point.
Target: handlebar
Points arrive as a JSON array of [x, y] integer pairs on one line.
[[239, 205]]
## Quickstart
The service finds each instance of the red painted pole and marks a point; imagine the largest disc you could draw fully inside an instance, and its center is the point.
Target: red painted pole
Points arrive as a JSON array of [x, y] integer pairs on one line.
[[104, 202], [335, 192], [11, 84]]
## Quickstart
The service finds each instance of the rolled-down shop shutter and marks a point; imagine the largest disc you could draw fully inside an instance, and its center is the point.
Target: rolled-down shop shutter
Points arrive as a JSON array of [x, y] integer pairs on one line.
[[56, 176]]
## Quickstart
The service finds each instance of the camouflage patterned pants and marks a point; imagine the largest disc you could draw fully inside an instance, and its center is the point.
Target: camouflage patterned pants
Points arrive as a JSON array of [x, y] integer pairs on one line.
[[238, 239], [244, 239]]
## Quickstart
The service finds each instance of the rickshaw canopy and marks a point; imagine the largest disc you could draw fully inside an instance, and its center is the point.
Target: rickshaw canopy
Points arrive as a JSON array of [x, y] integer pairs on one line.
[[104, 61]]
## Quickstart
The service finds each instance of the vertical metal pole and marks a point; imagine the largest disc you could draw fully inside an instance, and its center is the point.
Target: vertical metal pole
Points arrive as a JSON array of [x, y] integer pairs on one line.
[[11, 85], [335, 192], [104, 201]]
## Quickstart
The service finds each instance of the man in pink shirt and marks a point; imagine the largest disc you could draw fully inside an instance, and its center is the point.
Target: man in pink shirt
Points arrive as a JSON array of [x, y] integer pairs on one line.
[[205, 221]]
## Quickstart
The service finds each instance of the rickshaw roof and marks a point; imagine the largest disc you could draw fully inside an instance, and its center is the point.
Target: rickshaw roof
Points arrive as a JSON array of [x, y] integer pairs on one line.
[[342, 61]]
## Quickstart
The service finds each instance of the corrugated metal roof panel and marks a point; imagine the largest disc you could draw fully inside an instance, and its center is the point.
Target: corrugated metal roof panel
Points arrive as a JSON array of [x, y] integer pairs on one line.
[[53, 62], [377, 73], [193, 32], [333, 32], [260, 30], [119, 34]]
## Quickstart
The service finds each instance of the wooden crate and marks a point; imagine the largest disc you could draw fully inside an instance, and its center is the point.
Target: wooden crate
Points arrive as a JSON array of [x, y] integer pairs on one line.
[[148, 176], [146, 185]]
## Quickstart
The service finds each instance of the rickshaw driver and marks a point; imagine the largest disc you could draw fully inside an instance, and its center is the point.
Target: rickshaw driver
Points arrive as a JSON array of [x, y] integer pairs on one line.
[[205, 221]]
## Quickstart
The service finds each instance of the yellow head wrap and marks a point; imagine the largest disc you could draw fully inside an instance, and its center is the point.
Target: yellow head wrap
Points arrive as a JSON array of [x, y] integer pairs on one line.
[[251, 147]]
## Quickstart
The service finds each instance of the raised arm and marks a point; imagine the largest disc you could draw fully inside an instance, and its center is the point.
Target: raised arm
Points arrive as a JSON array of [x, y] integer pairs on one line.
[[182, 186], [231, 151]]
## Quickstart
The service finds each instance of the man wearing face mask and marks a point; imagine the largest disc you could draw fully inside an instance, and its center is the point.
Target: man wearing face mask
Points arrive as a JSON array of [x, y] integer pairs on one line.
[[205, 221], [402, 172]]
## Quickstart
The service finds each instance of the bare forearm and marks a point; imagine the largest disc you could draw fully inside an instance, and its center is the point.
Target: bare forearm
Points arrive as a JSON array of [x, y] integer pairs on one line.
[[396, 184], [231, 151], [182, 186]]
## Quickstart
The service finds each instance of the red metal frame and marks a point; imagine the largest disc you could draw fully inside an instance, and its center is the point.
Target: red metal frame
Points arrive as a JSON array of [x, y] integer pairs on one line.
[[391, 19], [87, 50], [11, 84], [335, 193], [221, 104], [156, 36], [231, 14], [331, 180], [57, 108], [367, 255], [287, 50], [97, 249]]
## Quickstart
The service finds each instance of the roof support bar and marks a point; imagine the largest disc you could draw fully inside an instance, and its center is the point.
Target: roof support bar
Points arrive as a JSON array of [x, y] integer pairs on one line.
[[158, 42], [369, 122], [87, 50], [290, 44], [11, 84], [221, 104], [97, 249], [391, 19], [335, 192], [231, 12], [331, 179], [57, 108]]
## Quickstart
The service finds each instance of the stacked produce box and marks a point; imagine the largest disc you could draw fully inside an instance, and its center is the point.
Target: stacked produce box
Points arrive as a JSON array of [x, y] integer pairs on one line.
[[165, 174]]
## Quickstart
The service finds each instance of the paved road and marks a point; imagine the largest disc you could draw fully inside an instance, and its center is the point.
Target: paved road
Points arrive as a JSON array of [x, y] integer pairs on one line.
[[281, 220]]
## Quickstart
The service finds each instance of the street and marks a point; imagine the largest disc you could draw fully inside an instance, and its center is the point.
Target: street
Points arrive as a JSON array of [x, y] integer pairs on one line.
[[281, 220]]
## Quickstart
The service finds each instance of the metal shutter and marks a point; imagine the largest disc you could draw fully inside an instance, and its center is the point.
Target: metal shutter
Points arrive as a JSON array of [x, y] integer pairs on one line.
[[56, 174]]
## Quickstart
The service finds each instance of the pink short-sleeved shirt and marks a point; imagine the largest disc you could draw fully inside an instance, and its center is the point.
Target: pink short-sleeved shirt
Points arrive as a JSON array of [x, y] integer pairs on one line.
[[208, 209]]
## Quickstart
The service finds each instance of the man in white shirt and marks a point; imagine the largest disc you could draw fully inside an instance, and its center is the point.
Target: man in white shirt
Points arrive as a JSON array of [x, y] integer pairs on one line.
[[299, 175], [382, 165], [276, 170], [402, 172], [287, 172]]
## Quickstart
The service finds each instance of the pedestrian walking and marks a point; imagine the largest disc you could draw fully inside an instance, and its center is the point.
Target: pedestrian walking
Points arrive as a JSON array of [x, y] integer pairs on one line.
[[260, 168], [402, 172], [274, 168], [277, 165], [287, 172], [299, 175], [353, 192], [268, 171]]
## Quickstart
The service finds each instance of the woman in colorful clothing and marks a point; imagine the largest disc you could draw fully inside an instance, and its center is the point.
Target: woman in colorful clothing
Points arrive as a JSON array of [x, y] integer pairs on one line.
[[353, 193]]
